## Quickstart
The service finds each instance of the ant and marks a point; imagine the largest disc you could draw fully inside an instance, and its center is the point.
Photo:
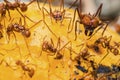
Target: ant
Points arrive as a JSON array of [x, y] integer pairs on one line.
[[17, 4], [105, 42], [18, 27], [90, 22], [49, 47], [84, 55], [30, 71], [57, 15]]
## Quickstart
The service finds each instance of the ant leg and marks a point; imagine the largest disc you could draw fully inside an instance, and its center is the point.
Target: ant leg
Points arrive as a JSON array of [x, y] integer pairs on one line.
[[35, 24], [49, 65], [58, 43], [29, 53], [76, 10], [9, 14], [50, 29], [17, 43], [62, 4], [98, 11], [29, 18], [64, 46], [109, 38], [52, 42], [105, 29], [44, 9], [69, 21], [44, 3], [72, 4], [38, 3], [77, 21], [96, 31], [24, 16], [50, 10], [104, 57]]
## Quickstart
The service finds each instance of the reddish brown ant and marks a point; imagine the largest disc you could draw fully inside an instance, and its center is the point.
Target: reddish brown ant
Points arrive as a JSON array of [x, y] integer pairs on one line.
[[57, 15], [105, 42], [18, 27], [49, 47], [84, 55], [17, 4], [90, 22], [30, 71]]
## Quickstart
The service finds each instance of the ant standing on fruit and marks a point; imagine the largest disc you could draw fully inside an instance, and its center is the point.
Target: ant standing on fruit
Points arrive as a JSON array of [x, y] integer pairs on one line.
[[18, 27], [84, 55], [49, 47], [17, 4], [30, 71], [52, 50], [105, 42], [90, 22], [57, 15]]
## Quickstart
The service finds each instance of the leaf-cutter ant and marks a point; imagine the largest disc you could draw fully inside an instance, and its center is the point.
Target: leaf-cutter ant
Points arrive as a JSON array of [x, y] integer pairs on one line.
[[17, 5], [30, 71], [105, 42], [92, 23], [58, 15], [49, 47]]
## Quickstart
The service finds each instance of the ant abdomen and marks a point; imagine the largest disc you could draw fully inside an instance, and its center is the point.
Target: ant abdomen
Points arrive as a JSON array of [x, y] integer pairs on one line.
[[26, 33]]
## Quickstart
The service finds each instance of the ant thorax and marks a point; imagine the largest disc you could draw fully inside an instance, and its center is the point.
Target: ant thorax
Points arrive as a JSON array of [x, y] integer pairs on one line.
[[90, 21], [17, 27], [57, 15], [46, 46]]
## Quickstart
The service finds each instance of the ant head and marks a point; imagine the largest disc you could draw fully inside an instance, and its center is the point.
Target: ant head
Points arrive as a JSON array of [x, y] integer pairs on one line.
[[23, 7], [16, 4], [57, 15], [26, 33], [18, 62]]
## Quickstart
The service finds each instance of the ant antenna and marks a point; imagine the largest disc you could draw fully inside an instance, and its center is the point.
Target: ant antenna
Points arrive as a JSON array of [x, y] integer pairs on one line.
[[99, 10]]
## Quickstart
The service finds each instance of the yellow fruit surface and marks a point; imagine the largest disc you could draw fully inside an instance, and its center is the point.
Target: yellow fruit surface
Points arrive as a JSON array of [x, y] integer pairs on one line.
[[28, 50]]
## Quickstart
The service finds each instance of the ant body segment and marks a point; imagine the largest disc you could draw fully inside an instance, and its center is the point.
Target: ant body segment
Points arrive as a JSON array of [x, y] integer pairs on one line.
[[57, 15], [17, 4], [90, 22], [25, 68], [49, 47], [105, 42]]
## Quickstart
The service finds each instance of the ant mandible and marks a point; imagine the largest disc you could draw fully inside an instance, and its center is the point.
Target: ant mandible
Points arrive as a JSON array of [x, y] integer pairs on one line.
[[90, 22]]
